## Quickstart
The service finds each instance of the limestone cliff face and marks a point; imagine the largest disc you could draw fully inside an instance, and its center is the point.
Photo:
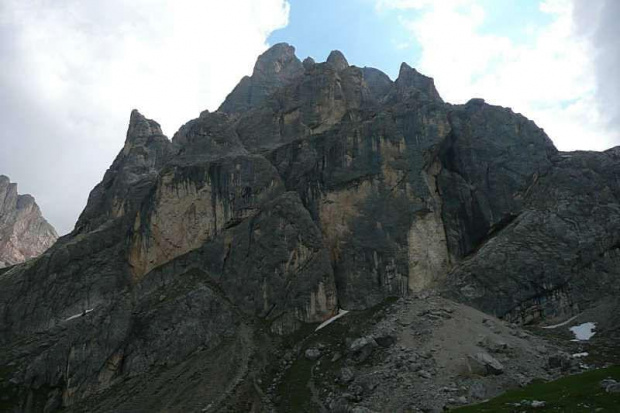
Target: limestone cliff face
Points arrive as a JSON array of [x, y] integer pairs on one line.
[[24, 233], [314, 187]]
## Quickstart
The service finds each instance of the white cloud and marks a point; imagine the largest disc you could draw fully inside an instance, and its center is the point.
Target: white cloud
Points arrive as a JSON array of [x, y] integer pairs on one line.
[[597, 23], [73, 70], [548, 76]]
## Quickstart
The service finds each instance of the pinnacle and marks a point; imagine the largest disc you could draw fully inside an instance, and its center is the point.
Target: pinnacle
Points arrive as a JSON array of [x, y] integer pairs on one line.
[[337, 60], [275, 59], [140, 126]]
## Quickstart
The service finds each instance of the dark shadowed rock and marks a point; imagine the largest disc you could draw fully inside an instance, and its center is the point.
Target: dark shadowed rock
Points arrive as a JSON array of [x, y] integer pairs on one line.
[[308, 63], [211, 136], [275, 68], [489, 160], [378, 83], [361, 348], [560, 242], [411, 82]]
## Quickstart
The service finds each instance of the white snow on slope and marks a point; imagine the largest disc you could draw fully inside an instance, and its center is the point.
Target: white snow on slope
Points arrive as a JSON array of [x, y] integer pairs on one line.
[[583, 332], [579, 355], [562, 323], [79, 315], [341, 312]]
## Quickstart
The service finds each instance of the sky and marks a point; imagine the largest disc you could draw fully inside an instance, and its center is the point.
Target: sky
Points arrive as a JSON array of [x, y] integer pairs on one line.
[[72, 70]]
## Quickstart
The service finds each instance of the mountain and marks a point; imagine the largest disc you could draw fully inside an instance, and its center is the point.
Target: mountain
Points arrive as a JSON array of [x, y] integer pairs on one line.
[[201, 265], [24, 233]]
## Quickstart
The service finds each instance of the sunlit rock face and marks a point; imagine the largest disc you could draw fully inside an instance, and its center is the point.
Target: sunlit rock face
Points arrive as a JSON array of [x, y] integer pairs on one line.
[[24, 233], [316, 186]]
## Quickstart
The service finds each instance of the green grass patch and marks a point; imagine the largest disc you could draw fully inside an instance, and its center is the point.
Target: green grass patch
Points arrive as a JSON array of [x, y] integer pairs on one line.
[[571, 394]]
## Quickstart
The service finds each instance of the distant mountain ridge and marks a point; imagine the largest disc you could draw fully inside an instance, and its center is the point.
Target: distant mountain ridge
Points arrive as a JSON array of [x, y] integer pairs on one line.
[[24, 233]]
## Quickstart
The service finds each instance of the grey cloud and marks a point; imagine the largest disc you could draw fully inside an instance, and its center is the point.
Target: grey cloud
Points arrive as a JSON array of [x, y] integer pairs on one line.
[[41, 153], [36, 152], [597, 21]]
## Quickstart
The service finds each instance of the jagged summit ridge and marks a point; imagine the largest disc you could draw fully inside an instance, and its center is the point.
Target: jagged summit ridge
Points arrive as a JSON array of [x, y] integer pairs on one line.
[[24, 233], [278, 67]]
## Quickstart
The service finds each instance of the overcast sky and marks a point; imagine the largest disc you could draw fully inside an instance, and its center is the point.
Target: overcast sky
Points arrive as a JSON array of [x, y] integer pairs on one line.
[[72, 70]]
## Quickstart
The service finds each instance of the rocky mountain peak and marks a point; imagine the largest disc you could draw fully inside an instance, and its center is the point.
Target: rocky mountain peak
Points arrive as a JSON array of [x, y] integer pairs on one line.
[[475, 102], [410, 81], [24, 233], [146, 150], [278, 61], [10, 200], [337, 60], [274, 68], [141, 127]]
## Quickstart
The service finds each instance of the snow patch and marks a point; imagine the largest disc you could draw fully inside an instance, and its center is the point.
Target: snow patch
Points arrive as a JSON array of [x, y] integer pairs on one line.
[[562, 323], [73, 317], [583, 332], [341, 313], [579, 355]]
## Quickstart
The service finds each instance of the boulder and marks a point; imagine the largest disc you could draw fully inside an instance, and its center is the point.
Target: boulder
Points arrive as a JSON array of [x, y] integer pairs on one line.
[[312, 354], [486, 364], [494, 344], [346, 375], [562, 361], [361, 348]]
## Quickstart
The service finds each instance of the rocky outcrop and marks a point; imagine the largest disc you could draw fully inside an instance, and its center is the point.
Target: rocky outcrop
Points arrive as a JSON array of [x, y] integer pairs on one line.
[[489, 160], [274, 69], [411, 82], [130, 177], [314, 187], [24, 233], [558, 253]]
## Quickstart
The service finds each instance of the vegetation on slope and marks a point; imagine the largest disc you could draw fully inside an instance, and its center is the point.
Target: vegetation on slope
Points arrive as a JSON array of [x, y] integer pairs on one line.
[[571, 394]]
